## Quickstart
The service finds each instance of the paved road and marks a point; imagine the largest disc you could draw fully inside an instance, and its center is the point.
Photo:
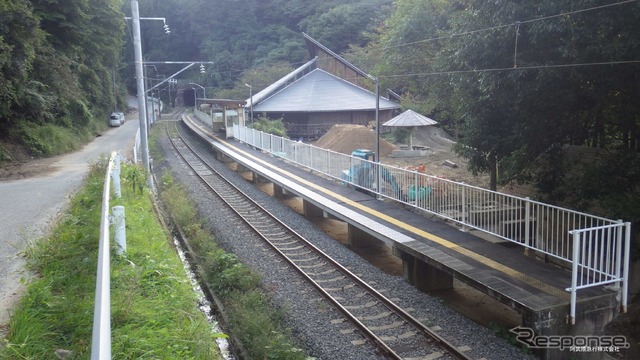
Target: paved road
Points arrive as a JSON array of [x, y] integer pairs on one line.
[[30, 206]]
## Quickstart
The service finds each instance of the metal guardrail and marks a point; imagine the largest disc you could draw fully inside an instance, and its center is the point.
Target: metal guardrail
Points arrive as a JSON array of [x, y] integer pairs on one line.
[[547, 229], [101, 334]]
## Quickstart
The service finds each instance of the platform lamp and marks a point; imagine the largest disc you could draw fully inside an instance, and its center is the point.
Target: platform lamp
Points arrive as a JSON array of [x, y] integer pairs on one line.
[[250, 100]]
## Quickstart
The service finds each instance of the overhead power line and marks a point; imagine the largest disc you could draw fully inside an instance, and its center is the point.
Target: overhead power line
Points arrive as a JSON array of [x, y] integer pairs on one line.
[[535, 67], [506, 25]]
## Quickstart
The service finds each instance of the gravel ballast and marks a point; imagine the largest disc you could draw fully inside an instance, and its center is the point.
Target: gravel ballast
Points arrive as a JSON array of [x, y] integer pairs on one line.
[[307, 314]]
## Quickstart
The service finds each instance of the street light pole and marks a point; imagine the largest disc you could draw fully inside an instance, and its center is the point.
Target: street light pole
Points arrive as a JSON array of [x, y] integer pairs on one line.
[[250, 100], [204, 93], [204, 90]]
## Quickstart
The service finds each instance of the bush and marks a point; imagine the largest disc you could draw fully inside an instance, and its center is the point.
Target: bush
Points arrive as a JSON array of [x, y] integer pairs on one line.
[[274, 127], [48, 139]]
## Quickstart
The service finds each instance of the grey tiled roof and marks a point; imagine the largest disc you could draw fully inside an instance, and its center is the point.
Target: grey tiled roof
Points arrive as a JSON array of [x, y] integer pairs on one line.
[[410, 118], [319, 91]]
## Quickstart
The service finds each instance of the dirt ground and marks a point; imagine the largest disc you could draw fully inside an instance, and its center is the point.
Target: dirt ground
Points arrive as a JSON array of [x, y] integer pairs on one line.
[[346, 138], [23, 166]]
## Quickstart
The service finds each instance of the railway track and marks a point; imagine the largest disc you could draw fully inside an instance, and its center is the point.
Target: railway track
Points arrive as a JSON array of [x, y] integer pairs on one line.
[[368, 314]]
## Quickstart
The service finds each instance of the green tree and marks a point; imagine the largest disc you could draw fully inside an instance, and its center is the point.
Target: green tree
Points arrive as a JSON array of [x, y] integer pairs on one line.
[[239, 35], [347, 23], [513, 106], [20, 38]]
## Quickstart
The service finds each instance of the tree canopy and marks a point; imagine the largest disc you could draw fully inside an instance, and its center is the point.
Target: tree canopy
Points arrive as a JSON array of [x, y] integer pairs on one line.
[[520, 81], [241, 36], [56, 62]]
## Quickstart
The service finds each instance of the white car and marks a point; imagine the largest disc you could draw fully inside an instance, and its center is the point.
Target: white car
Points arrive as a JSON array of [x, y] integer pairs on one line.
[[122, 119], [115, 120]]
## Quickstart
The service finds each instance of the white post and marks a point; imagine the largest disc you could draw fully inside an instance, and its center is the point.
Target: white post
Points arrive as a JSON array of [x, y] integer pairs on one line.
[[463, 208], [120, 234], [527, 223], [574, 275], [618, 261], [625, 271], [115, 176]]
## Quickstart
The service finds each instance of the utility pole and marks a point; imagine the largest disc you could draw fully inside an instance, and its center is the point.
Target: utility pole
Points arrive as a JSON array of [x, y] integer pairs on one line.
[[379, 179], [142, 104], [250, 100], [115, 92]]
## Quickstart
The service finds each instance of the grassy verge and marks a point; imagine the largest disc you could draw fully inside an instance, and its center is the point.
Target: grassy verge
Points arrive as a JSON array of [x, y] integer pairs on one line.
[[253, 321], [44, 140], [154, 312]]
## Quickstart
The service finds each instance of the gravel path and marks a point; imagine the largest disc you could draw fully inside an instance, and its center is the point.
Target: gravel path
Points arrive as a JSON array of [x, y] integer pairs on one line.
[[309, 316]]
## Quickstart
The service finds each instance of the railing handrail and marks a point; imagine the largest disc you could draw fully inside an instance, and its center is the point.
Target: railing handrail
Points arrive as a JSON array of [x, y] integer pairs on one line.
[[548, 229], [576, 212], [592, 271], [101, 334]]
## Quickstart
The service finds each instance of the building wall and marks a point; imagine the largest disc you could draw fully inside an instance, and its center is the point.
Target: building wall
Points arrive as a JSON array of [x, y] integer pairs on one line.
[[314, 125]]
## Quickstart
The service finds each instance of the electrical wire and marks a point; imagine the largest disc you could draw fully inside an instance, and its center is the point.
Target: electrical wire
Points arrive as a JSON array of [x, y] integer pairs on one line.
[[536, 67], [475, 71], [506, 25]]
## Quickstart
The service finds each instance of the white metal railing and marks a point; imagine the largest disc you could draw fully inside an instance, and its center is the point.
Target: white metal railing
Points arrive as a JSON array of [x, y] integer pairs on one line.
[[600, 257], [101, 334], [545, 228]]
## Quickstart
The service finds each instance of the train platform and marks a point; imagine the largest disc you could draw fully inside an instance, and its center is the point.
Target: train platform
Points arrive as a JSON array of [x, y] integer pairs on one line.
[[434, 252]]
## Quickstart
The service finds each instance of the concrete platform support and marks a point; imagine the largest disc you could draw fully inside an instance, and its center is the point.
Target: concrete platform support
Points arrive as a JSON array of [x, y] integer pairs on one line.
[[592, 315], [359, 238], [311, 211], [246, 173], [278, 191], [423, 276], [257, 179], [222, 157], [241, 168]]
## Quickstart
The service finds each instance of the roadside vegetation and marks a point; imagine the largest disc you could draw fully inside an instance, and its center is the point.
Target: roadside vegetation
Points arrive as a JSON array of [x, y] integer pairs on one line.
[[252, 319], [44, 140], [154, 309]]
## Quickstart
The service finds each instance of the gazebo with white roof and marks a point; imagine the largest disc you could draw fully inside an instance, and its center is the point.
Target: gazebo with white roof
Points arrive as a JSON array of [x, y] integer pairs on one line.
[[410, 119]]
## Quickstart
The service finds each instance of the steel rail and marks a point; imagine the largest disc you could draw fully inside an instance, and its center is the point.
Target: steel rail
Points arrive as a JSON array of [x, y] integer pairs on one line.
[[432, 337]]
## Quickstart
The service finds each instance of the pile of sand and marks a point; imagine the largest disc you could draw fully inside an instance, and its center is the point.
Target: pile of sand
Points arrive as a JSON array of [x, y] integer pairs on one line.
[[345, 138]]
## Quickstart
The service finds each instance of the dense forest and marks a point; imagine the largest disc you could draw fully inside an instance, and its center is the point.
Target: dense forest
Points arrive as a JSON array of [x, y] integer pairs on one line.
[[524, 86], [57, 61]]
